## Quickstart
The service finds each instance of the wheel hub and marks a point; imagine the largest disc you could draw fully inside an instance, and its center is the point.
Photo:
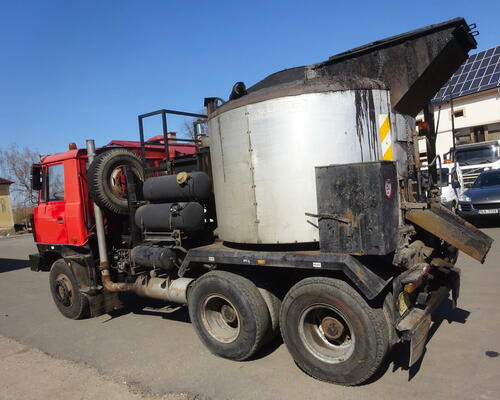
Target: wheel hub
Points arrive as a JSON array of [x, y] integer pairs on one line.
[[64, 290], [116, 182], [62, 293], [228, 313], [332, 328], [221, 318], [326, 333]]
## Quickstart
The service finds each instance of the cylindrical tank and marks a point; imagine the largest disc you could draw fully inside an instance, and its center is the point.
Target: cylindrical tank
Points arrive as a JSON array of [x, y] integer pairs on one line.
[[188, 217], [155, 257], [265, 147], [185, 186]]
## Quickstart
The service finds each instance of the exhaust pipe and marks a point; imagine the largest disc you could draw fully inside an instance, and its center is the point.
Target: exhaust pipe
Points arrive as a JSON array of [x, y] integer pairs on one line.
[[173, 290]]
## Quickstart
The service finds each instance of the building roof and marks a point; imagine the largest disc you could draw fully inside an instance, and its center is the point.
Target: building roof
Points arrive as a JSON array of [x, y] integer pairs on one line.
[[5, 181], [481, 71]]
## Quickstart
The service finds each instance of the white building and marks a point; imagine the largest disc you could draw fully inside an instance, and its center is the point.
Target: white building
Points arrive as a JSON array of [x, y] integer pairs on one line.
[[475, 91]]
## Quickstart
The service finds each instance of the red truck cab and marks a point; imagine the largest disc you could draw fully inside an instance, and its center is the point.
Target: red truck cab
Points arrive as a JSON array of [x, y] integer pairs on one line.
[[64, 213]]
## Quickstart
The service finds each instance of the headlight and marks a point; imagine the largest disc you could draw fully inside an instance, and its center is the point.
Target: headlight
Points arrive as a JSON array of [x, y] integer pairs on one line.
[[464, 197]]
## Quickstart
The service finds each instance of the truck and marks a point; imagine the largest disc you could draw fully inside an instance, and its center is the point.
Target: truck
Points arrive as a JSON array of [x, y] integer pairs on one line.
[[475, 158], [295, 215], [450, 183]]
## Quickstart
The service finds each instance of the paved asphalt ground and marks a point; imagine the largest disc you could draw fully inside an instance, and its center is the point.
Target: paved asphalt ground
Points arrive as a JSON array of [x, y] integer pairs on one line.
[[28, 374], [158, 352]]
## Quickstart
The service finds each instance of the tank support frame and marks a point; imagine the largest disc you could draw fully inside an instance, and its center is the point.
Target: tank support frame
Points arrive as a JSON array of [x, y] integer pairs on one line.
[[369, 282]]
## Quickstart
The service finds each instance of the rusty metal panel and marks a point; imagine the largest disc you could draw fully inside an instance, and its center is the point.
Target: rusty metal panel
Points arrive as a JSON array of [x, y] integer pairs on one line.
[[358, 208], [442, 223]]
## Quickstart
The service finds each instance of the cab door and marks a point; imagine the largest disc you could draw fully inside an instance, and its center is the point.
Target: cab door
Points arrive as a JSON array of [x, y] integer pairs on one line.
[[50, 213]]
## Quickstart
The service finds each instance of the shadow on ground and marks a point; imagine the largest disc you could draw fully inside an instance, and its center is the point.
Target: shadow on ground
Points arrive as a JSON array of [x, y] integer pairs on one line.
[[156, 308], [399, 356], [12, 264], [486, 222]]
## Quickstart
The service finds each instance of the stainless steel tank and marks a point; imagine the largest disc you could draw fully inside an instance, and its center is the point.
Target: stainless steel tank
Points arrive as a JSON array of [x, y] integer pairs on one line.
[[264, 155]]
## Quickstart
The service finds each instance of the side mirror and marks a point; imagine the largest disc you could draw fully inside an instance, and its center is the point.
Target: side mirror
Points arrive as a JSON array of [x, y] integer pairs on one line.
[[36, 177], [455, 185]]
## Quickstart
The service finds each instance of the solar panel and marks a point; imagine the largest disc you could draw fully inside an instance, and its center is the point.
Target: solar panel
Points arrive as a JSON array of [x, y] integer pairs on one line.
[[480, 72]]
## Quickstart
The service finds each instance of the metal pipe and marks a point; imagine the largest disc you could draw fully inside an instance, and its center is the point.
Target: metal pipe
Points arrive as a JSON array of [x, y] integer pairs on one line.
[[99, 223], [453, 131], [172, 290], [165, 139], [141, 139]]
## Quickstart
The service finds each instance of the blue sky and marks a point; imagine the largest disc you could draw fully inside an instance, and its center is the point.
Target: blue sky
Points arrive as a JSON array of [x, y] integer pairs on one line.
[[72, 70]]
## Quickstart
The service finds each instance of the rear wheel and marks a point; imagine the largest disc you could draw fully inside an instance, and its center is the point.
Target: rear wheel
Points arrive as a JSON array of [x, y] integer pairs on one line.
[[331, 332], [273, 304], [66, 293], [229, 315]]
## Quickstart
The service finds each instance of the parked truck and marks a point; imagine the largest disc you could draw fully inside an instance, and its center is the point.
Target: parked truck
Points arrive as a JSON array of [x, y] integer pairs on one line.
[[295, 216], [475, 158]]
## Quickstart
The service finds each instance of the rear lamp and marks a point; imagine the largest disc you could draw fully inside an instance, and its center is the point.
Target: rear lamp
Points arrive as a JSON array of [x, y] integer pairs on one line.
[[422, 127], [411, 286]]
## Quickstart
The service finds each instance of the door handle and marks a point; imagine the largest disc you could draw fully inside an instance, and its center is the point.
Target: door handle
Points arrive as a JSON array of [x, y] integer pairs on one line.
[[60, 220]]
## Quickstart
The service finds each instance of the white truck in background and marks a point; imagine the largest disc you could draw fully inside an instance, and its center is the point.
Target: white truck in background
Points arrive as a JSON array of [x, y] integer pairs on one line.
[[475, 158], [450, 182]]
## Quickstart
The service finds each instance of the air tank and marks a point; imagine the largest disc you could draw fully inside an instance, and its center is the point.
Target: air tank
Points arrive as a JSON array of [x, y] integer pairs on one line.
[[165, 217], [185, 186], [358, 106]]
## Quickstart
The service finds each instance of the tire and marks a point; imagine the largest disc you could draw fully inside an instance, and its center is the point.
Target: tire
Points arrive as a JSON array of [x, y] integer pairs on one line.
[[228, 314], [70, 301], [273, 304], [103, 174], [357, 335]]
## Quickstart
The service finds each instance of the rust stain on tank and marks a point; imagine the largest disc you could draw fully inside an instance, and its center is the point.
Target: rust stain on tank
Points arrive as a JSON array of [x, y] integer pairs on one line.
[[366, 124]]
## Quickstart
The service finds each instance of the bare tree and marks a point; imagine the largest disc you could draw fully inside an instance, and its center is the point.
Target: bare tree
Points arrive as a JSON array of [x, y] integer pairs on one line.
[[15, 165], [188, 126]]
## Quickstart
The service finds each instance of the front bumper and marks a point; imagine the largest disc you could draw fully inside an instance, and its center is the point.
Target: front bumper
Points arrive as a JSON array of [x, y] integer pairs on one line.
[[475, 210], [35, 262]]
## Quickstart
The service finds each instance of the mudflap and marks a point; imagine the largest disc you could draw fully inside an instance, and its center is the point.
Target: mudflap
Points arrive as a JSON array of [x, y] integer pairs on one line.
[[417, 333], [103, 303], [415, 325]]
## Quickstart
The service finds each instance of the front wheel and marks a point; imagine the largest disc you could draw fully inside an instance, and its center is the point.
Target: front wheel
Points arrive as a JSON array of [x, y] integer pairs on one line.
[[66, 293], [332, 333]]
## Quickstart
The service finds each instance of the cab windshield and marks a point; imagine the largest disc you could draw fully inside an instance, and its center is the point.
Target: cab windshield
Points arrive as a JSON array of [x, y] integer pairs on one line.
[[481, 155]]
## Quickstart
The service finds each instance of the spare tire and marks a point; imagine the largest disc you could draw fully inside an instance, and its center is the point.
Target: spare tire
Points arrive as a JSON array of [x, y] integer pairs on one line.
[[106, 180]]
